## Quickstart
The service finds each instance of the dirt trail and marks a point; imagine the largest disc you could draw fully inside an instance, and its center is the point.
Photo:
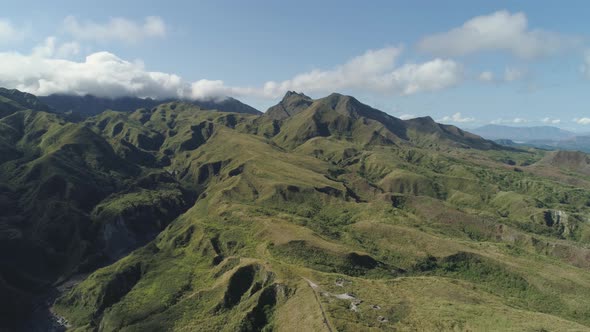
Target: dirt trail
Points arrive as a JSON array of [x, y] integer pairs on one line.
[[314, 288]]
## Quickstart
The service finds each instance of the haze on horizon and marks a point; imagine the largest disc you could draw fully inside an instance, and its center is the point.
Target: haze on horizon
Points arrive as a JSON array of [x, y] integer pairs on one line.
[[469, 64]]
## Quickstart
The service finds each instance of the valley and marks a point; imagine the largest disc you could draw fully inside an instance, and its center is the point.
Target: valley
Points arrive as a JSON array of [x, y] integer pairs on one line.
[[317, 215]]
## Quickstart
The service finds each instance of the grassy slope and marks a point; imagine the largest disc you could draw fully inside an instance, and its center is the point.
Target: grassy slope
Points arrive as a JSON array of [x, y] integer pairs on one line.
[[424, 227], [444, 240]]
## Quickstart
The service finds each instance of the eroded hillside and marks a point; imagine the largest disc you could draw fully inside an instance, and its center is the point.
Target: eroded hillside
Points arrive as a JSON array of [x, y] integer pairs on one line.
[[319, 215]]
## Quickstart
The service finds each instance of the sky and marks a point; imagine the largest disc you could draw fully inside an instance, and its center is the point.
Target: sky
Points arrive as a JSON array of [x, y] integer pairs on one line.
[[467, 63]]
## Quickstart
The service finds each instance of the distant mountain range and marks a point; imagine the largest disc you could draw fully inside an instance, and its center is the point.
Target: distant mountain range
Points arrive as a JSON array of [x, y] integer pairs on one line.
[[86, 106], [522, 134], [544, 137]]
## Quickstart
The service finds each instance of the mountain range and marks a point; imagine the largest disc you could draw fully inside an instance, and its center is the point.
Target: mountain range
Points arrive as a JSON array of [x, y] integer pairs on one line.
[[85, 106], [523, 134], [543, 137], [319, 214]]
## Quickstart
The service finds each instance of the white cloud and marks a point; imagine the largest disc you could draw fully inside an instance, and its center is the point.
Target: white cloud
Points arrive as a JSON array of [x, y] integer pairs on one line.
[[513, 121], [582, 121], [68, 49], [502, 31], [117, 28], [374, 71], [512, 74], [434, 75], [45, 71], [551, 121], [10, 33], [101, 74], [51, 48], [457, 117], [407, 116], [486, 76], [519, 120], [203, 89]]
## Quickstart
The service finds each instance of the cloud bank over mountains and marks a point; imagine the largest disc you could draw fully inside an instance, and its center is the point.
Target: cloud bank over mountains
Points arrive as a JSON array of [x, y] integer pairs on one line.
[[374, 71], [50, 66], [104, 74]]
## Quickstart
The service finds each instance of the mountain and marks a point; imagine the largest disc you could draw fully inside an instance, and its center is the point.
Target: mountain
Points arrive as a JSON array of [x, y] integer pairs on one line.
[[577, 143], [331, 215], [548, 138], [88, 105], [573, 161], [345, 117], [523, 134], [291, 104], [13, 100], [226, 105]]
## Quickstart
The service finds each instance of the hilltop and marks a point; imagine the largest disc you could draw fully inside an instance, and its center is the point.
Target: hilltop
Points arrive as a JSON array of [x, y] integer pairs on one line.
[[88, 105], [320, 214]]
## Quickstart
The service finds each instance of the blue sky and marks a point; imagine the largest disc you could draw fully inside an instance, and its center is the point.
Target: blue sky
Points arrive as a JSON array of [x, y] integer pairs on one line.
[[467, 63]]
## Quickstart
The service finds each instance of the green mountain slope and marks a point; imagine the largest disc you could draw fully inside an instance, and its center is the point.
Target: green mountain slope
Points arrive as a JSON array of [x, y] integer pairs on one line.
[[344, 117], [319, 215], [291, 104], [13, 100], [82, 107]]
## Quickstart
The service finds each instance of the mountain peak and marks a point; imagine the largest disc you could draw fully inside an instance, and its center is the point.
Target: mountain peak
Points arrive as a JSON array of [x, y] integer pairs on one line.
[[12, 100], [338, 97], [228, 104], [291, 104], [423, 120], [294, 93]]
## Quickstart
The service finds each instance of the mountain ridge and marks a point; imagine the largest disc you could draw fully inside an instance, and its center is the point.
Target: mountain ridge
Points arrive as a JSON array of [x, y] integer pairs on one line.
[[339, 114], [88, 105], [542, 137], [535, 133], [336, 215]]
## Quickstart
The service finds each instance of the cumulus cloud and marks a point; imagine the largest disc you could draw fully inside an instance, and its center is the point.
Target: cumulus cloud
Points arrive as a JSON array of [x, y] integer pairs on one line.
[[457, 117], [51, 48], [551, 121], [117, 28], [519, 120], [101, 74], [499, 31], [407, 116], [45, 71], [513, 121], [373, 71], [434, 75], [204, 89], [9, 32], [512, 74], [582, 121], [486, 76]]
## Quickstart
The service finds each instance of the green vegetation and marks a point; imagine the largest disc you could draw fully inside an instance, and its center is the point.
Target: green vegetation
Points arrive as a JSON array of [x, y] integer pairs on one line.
[[322, 214]]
